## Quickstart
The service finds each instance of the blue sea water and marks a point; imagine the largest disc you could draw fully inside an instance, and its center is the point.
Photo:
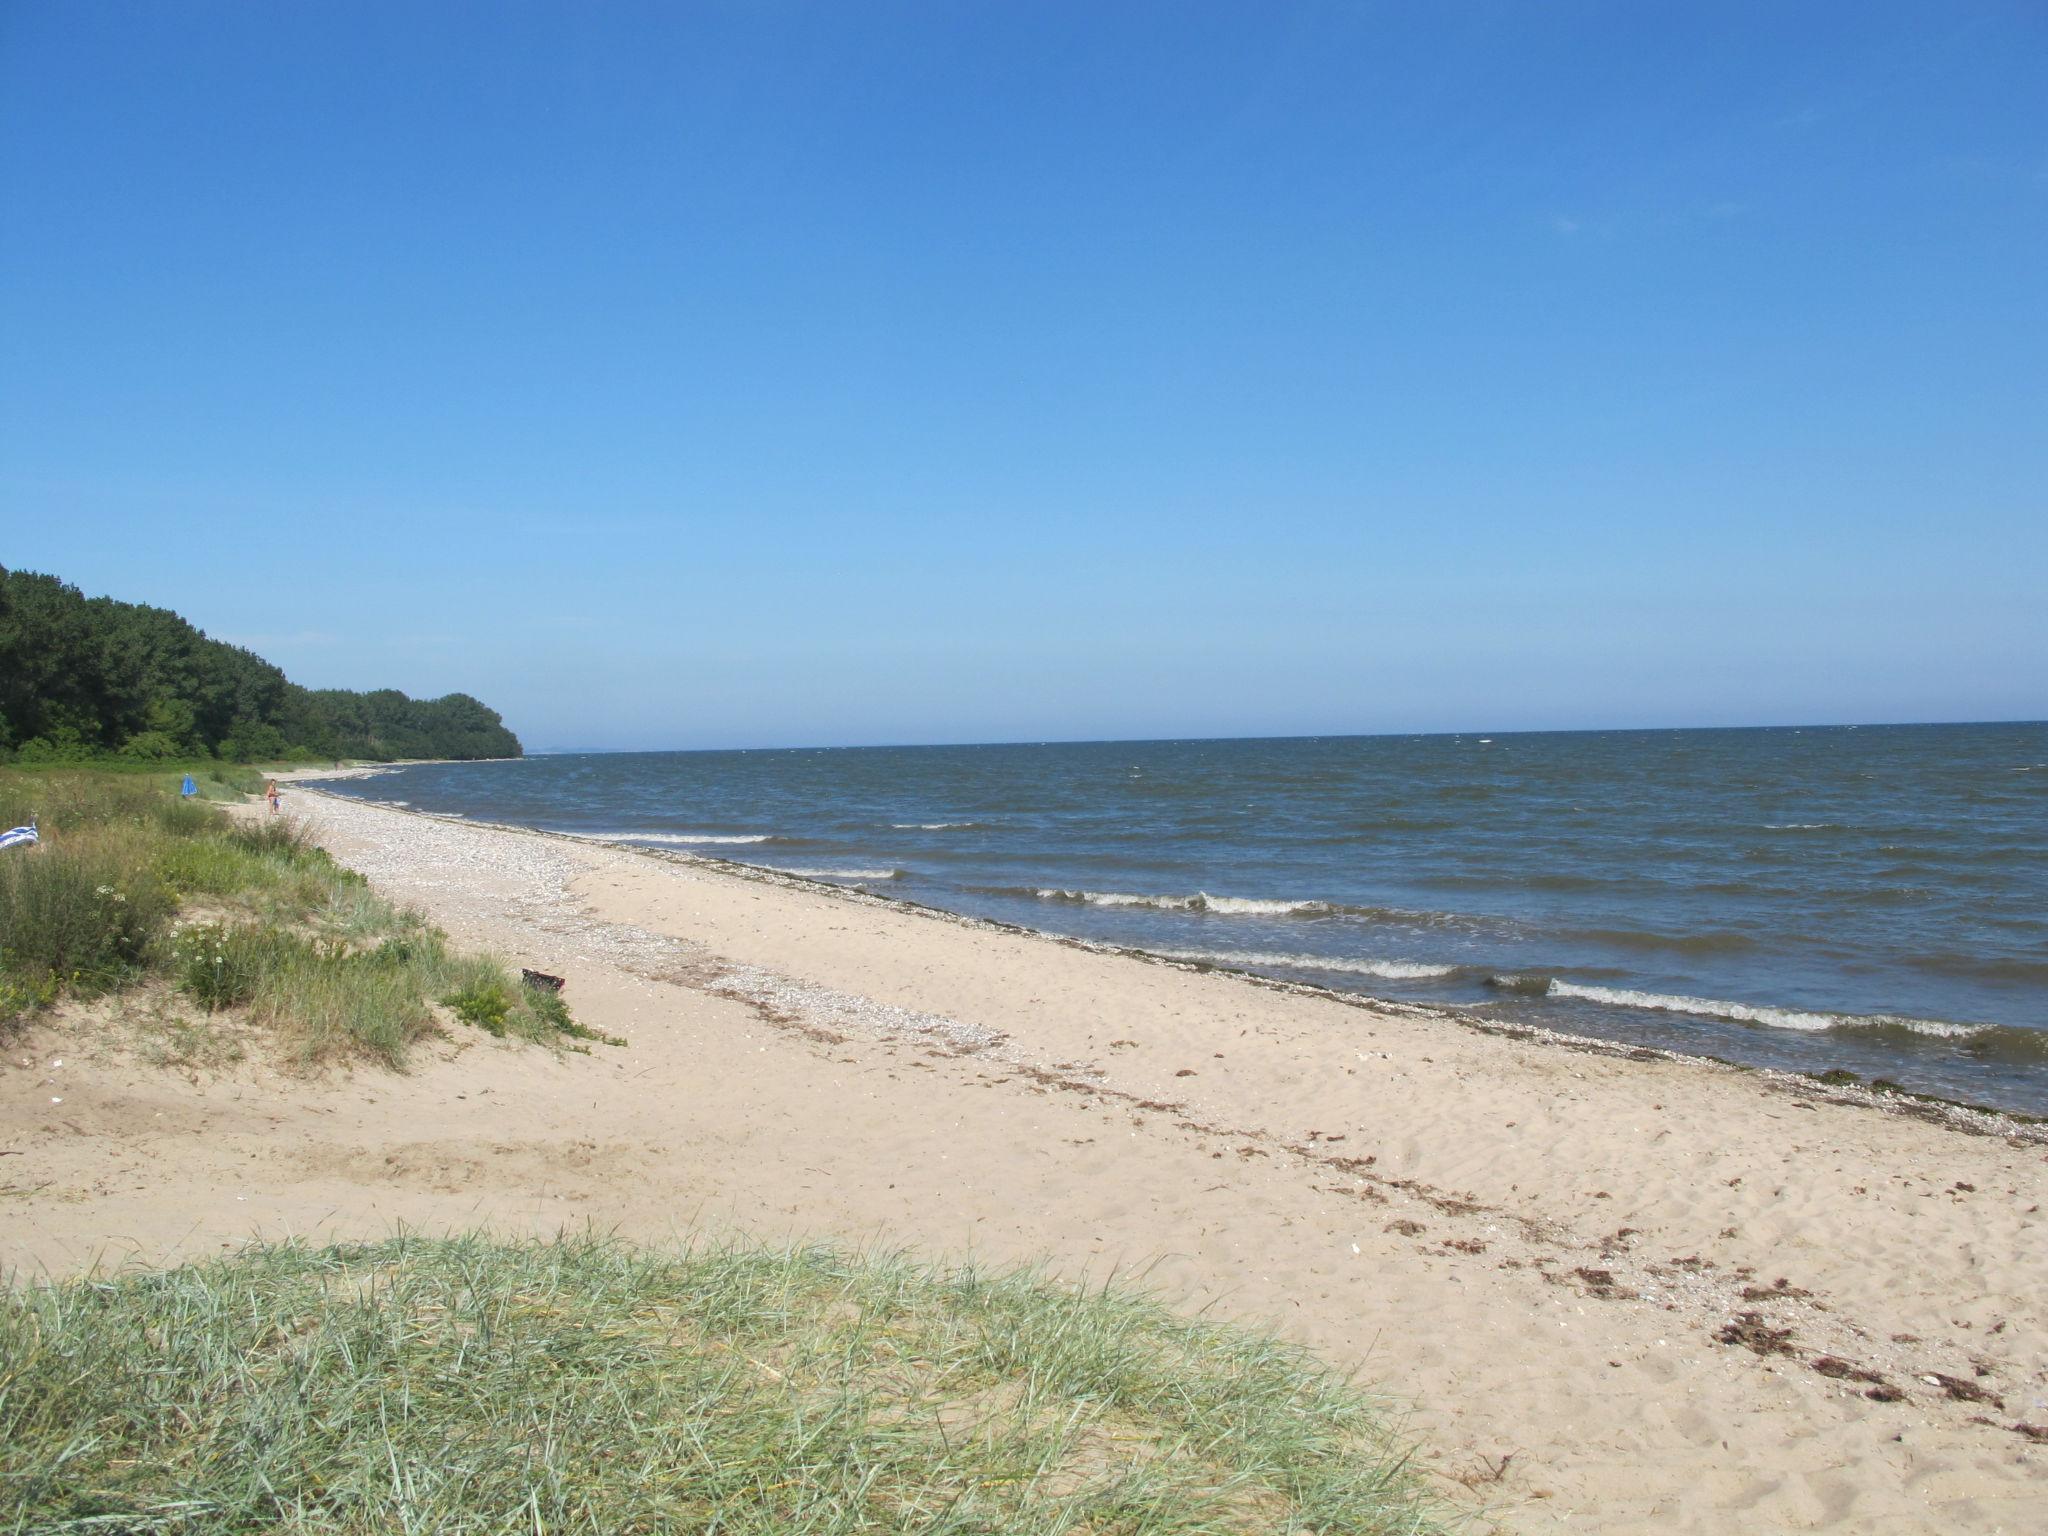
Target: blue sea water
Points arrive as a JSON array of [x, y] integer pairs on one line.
[[1867, 898]]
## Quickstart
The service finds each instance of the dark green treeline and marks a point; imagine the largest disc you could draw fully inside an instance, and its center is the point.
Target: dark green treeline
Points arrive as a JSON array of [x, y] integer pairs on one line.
[[90, 677]]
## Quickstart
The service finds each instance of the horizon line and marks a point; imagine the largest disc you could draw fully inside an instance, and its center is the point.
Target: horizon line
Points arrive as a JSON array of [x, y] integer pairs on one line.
[[1107, 741]]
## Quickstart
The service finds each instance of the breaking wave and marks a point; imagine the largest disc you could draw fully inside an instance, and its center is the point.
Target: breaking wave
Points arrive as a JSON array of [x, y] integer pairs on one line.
[[930, 826], [1705, 1007], [836, 874], [680, 839], [2004, 1042], [1201, 901], [1205, 903], [1387, 970]]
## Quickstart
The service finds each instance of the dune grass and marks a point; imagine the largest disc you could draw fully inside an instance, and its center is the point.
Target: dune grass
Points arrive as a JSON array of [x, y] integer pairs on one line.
[[468, 1385], [299, 945]]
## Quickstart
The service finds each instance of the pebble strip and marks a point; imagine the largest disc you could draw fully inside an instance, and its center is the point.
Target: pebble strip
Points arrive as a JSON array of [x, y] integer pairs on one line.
[[481, 874]]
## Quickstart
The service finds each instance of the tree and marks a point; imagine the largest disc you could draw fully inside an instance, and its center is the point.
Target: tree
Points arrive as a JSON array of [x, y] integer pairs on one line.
[[82, 677]]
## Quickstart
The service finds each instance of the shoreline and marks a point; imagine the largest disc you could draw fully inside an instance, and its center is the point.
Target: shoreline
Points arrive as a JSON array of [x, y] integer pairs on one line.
[[1839, 1088], [1619, 1292]]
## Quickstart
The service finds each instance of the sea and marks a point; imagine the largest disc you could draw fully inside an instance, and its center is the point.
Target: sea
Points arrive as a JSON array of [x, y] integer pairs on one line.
[[1868, 899]]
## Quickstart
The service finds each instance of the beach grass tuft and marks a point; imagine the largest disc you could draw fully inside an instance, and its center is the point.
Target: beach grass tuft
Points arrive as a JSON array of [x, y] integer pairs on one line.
[[80, 918], [292, 939], [465, 1384]]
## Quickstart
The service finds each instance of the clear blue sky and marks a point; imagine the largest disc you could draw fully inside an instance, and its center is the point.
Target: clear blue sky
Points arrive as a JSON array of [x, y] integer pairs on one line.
[[754, 373]]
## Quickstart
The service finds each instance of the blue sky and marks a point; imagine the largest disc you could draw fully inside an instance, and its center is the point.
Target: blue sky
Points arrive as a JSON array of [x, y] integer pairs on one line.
[[748, 374]]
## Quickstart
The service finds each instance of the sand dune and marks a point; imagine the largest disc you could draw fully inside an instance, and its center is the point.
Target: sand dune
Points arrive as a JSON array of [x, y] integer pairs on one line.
[[1541, 1248]]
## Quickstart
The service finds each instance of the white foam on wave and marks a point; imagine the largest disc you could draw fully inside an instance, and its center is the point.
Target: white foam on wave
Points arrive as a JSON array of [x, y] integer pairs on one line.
[[1113, 899], [1201, 901], [1801, 826], [1244, 906], [836, 874], [1749, 1013], [1387, 970], [680, 839], [930, 826]]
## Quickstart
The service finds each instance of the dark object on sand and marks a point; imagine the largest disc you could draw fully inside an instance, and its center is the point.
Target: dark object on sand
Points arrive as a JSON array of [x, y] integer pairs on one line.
[[540, 979]]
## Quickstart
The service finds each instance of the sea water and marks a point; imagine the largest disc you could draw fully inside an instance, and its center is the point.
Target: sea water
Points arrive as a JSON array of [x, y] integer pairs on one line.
[[1872, 899]]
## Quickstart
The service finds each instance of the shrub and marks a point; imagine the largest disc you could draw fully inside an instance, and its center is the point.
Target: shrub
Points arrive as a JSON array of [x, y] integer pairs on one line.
[[338, 1001], [552, 1013], [62, 745], [274, 834], [183, 818], [485, 1004], [489, 999], [352, 910], [209, 866], [69, 801], [314, 954], [79, 917], [228, 781], [151, 746], [25, 994], [216, 965]]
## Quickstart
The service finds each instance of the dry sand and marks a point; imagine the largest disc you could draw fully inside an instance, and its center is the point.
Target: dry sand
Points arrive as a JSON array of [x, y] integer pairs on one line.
[[1537, 1246]]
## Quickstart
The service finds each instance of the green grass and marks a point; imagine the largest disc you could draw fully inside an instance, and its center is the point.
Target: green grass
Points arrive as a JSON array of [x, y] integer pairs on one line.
[[299, 944], [83, 919], [467, 1385]]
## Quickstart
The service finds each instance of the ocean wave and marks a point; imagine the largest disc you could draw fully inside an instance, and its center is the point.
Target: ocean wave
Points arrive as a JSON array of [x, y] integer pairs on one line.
[[930, 826], [1802, 826], [1705, 1007], [1388, 970], [1363, 830], [2002, 1041], [1979, 967], [1201, 901], [1204, 903], [1707, 943], [680, 839], [836, 874], [1541, 880]]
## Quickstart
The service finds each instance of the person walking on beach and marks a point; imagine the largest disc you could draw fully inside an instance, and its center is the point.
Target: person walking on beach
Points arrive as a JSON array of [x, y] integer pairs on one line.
[[270, 794]]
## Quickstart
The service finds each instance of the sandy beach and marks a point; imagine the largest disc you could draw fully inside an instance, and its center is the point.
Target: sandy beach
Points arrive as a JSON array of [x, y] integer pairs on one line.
[[1620, 1292]]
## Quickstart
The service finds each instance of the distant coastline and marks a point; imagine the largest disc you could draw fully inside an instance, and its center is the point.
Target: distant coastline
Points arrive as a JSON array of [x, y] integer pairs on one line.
[[94, 679]]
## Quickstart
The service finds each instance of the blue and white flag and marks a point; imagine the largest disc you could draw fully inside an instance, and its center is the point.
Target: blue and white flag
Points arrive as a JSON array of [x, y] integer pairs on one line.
[[21, 836]]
